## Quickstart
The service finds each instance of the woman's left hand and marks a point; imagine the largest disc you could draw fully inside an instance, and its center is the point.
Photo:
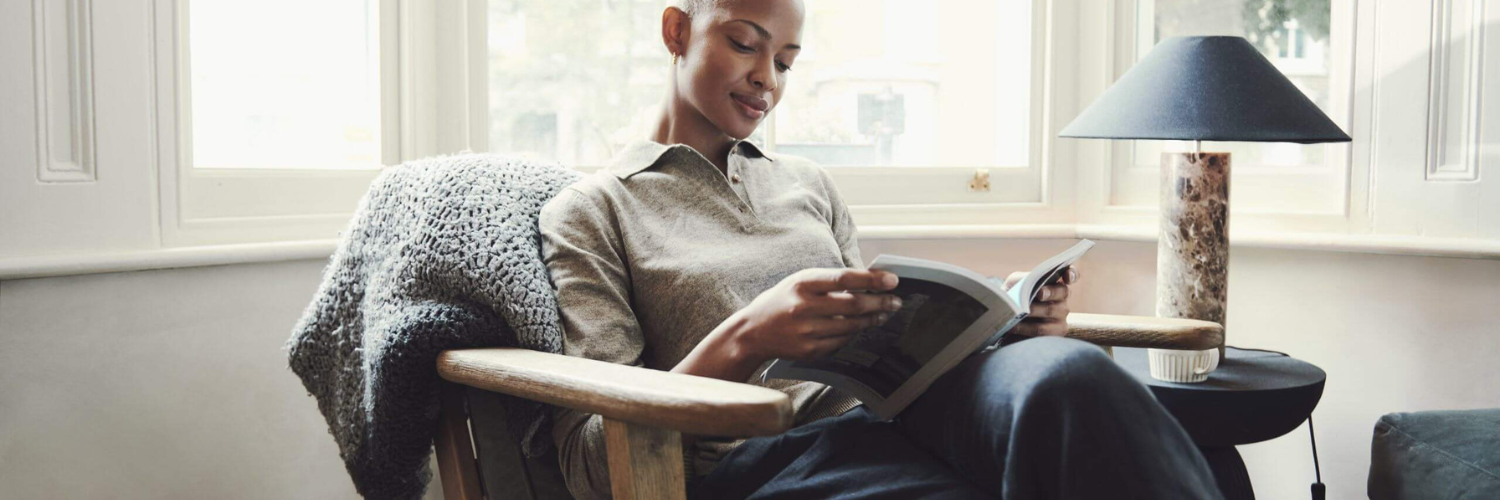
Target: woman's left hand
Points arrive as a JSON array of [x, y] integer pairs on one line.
[[1049, 313]]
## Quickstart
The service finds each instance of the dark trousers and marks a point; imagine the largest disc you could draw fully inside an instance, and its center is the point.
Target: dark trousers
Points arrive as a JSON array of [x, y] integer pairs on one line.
[[1043, 418]]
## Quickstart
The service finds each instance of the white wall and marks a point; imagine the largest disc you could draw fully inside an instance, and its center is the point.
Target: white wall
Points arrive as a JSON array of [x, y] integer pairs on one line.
[[160, 384], [172, 384]]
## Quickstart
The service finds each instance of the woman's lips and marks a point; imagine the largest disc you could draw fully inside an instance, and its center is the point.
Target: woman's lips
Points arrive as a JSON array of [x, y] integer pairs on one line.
[[754, 107]]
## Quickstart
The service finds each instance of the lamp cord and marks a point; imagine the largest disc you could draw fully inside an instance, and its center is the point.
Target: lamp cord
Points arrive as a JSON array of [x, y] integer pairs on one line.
[[1319, 491], [1257, 350]]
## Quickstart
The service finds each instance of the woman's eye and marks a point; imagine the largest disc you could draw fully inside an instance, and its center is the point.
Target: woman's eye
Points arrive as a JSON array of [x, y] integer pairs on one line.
[[747, 49]]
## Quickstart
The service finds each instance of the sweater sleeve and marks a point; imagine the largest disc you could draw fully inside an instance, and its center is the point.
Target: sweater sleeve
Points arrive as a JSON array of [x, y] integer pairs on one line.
[[584, 254], [842, 223]]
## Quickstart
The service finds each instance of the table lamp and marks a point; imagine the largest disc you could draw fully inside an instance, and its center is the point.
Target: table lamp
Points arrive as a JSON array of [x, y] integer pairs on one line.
[[1198, 88]]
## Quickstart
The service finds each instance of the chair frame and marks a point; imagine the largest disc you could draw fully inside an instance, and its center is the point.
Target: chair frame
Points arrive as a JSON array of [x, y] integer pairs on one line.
[[647, 412]]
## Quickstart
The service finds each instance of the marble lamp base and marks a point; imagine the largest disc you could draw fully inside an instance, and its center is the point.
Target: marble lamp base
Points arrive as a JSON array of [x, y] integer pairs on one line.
[[1192, 254]]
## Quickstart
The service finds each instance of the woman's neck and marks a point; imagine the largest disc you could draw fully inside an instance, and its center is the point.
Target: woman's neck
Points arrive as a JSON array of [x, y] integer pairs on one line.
[[679, 123]]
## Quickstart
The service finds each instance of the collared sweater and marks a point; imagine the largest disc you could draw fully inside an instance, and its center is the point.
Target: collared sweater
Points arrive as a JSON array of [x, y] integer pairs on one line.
[[652, 253]]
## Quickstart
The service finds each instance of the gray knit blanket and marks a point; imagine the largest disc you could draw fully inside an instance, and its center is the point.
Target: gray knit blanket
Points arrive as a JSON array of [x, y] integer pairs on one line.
[[442, 253]]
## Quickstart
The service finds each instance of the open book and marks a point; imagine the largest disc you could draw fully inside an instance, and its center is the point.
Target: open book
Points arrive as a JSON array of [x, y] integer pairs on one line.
[[947, 313]]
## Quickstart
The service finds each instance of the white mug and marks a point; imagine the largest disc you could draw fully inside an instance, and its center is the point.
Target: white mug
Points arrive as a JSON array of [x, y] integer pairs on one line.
[[1182, 366]]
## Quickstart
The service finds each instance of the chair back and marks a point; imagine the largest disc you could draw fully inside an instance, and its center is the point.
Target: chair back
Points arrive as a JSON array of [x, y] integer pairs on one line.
[[504, 471]]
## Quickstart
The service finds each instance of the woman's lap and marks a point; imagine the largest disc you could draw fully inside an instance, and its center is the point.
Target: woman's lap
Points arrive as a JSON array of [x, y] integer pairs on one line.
[[849, 456], [1043, 418], [1056, 418]]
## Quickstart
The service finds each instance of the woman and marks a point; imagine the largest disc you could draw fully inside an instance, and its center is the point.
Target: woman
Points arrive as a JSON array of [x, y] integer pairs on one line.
[[711, 257]]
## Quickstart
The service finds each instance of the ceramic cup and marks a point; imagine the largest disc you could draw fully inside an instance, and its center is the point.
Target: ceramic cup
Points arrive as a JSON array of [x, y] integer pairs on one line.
[[1182, 366]]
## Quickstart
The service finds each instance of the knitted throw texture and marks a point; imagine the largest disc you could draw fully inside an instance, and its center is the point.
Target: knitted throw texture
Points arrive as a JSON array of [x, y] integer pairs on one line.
[[442, 253]]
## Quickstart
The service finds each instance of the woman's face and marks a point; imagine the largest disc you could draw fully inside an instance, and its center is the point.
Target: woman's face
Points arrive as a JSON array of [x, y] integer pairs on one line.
[[737, 61]]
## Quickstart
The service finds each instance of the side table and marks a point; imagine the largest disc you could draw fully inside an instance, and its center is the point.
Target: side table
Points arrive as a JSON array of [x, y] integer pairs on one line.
[[1254, 396]]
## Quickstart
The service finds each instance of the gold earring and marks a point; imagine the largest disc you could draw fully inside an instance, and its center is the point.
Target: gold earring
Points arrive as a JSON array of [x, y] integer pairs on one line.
[[674, 58]]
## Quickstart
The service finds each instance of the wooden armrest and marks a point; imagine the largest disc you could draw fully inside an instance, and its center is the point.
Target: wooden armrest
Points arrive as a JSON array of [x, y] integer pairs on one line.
[[700, 405], [642, 396], [1145, 331]]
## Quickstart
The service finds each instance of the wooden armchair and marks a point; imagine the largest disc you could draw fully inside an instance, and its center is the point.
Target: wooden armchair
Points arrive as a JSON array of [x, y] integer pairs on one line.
[[646, 412]]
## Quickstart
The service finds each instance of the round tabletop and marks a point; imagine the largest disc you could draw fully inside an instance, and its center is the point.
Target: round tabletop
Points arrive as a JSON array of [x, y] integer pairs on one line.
[[1253, 396]]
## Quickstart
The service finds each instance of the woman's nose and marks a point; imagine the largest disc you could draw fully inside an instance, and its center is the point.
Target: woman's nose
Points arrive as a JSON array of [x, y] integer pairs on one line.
[[764, 76], [760, 83]]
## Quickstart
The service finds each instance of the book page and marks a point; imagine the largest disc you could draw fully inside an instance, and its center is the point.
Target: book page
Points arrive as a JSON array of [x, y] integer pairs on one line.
[[1025, 292], [947, 313], [884, 357]]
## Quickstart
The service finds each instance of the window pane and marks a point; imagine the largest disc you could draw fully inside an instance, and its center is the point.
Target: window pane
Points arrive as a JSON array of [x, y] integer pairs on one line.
[[573, 81], [1292, 34], [285, 84], [907, 82]]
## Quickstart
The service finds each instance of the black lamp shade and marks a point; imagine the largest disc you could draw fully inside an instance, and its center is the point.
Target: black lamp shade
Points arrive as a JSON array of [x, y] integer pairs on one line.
[[1211, 88]]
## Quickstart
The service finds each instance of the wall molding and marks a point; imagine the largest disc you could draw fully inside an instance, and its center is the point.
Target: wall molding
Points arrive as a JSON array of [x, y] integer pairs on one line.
[[44, 266], [1455, 83], [63, 65]]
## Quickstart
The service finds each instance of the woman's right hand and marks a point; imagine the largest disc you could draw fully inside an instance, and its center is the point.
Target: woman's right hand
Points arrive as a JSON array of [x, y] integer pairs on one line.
[[812, 313]]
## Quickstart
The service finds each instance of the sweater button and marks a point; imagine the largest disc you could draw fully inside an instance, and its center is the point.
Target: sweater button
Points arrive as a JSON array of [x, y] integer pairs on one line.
[[734, 178]]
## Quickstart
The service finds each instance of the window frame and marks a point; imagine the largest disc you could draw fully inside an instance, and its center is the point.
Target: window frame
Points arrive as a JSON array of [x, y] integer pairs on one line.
[[435, 101], [425, 95]]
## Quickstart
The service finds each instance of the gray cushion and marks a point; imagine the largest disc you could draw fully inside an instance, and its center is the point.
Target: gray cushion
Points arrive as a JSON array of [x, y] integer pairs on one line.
[[1436, 454]]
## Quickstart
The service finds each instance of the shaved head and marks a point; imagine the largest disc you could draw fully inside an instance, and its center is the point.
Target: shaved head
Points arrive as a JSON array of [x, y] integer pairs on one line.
[[730, 61], [693, 7]]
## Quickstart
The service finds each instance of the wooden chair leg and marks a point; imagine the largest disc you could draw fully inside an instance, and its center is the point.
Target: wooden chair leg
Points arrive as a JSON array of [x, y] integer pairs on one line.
[[454, 447], [644, 462]]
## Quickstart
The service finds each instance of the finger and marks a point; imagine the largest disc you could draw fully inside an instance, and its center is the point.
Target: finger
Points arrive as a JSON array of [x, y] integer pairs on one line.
[[1053, 328], [818, 348], [833, 280], [846, 325], [1037, 327], [1053, 293], [1070, 276], [854, 303], [1015, 277], [1049, 310]]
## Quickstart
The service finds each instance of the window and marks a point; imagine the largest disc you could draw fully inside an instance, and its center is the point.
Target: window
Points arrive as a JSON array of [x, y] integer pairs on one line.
[[285, 112], [902, 111], [902, 99], [1299, 37], [899, 82], [307, 97], [1292, 34], [574, 95], [904, 102]]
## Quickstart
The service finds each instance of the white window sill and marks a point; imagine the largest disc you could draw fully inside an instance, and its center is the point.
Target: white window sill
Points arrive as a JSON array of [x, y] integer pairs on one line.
[[42, 266]]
